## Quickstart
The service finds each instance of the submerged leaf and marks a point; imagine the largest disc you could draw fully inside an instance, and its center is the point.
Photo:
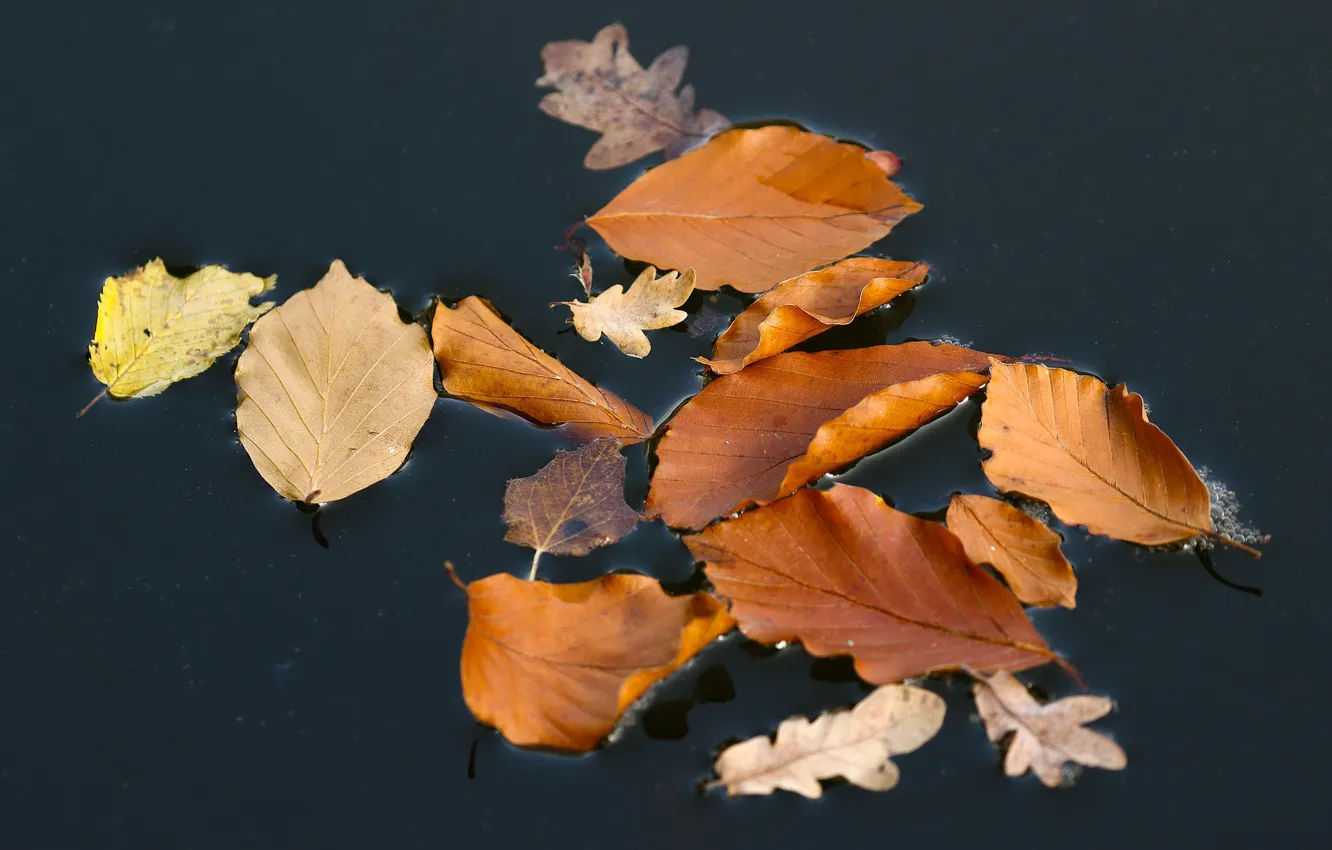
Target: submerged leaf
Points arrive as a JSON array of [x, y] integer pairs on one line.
[[845, 574], [555, 665], [484, 361], [572, 505], [1023, 550], [855, 744], [1045, 736], [333, 389], [154, 329], [1090, 452], [776, 425], [603, 88], [752, 208], [807, 305], [623, 316]]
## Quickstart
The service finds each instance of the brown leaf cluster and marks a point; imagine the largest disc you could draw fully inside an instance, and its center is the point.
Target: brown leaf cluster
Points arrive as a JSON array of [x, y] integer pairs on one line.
[[333, 388]]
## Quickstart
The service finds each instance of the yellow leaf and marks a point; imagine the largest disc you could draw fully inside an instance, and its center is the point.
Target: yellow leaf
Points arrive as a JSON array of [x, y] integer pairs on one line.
[[333, 389], [623, 316], [154, 329]]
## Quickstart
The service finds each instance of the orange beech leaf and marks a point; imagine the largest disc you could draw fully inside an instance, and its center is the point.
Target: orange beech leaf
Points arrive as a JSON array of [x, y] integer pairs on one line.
[[1090, 452], [808, 305], [1023, 550], [845, 574], [486, 362], [776, 425], [752, 208], [555, 665]]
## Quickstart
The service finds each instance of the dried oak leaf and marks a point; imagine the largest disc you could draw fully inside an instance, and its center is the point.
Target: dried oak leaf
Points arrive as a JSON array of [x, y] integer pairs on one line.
[[572, 505], [1090, 453], [856, 744], [332, 389], [845, 574], [154, 329], [603, 88], [1023, 550], [484, 361], [623, 316], [776, 425], [752, 208], [1046, 736], [807, 305], [555, 665]]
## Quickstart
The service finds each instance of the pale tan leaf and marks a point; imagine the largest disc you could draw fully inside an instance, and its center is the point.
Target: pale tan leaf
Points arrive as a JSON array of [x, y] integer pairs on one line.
[[1045, 736], [855, 744], [333, 389], [623, 316]]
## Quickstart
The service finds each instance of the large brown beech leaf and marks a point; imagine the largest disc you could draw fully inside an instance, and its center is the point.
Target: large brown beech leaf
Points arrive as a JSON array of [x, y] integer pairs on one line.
[[752, 208], [777, 424], [845, 574], [807, 305], [572, 505], [1023, 550], [1090, 452], [486, 362], [555, 665]]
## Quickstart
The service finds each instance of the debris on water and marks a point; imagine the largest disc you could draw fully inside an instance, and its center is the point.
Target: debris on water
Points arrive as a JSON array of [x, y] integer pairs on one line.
[[1225, 513]]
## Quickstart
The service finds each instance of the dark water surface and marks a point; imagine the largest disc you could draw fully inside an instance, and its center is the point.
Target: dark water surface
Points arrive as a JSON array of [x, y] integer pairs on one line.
[[1139, 187]]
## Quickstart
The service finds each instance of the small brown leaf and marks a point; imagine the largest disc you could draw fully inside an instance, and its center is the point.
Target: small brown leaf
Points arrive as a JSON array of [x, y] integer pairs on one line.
[[752, 208], [555, 665], [332, 389], [484, 361], [807, 305], [623, 316], [776, 425], [855, 744], [1023, 550], [1090, 452], [572, 505], [1046, 736], [845, 574], [603, 88]]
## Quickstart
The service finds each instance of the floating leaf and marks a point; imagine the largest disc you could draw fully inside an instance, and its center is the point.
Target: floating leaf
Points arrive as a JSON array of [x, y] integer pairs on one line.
[[776, 425], [1023, 550], [603, 88], [486, 362], [623, 316], [154, 329], [1045, 736], [856, 745], [333, 389], [572, 505], [555, 665], [845, 574], [752, 208], [807, 305], [1090, 452]]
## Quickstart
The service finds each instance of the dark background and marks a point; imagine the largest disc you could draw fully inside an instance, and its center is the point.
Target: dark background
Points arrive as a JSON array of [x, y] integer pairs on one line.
[[1139, 187]]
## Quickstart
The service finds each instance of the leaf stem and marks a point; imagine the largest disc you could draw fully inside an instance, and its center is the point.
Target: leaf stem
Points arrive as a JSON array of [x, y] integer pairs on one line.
[[1234, 544], [453, 574], [96, 399], [531, 576]]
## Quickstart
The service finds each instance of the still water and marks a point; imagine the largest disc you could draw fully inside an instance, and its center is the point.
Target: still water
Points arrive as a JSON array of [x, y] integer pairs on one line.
[[1137, 187]]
